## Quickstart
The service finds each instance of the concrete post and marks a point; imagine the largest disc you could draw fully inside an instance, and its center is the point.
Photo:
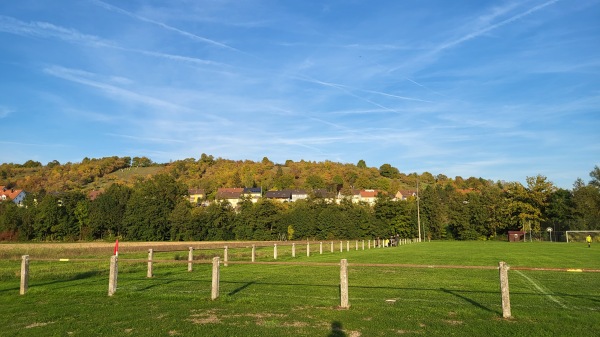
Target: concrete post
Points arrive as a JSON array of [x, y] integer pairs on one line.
[[112, 277], [24, 274], [503, 267], [332, 246], [344, 284], [341, 247], [308, 249], [253, 253], [347, 246], [363, 244], [214, 292], [356, 246], [369, 243], [321, 248], [293, 250], [149, 274], [275, 252], [190, 258], [226, 256]]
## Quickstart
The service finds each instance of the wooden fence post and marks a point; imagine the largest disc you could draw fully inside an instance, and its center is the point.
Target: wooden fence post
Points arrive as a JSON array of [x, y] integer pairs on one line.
[[253, 253], [363, 244], [149, 274], [347, 246], [356, 248], [226, 256], [341, 246], [321, 248], [293, 250], [308, 249], [503, 267], [369, 243], [344, 284], [332, 246], [214, 293], [190, 258], [275, 252], [24, 274], [113, 274]]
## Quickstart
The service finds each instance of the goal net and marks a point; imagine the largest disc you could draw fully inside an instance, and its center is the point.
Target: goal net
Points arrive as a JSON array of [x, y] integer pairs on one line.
[[579, 236]]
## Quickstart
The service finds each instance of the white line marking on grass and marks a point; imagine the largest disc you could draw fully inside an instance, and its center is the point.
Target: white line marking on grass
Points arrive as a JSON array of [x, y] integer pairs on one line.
[[541, 290]]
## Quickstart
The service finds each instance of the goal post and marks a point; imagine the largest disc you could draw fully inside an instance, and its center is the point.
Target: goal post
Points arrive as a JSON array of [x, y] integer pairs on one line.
[[579, 236]]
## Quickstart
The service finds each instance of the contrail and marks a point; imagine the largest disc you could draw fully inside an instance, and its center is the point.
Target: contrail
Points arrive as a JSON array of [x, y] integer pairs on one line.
[[163, 25], [494, 26], [49, 30]]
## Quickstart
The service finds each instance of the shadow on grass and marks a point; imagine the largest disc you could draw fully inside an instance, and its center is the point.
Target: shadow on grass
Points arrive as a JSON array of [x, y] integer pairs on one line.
[[76, 277], [237, 290], [475, 303], [336, 330]]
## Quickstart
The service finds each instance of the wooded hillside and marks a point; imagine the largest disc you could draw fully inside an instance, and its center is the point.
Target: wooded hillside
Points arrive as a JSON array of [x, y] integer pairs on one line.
[[142, 200]]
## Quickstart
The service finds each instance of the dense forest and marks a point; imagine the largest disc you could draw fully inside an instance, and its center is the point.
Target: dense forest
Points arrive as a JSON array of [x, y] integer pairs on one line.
[[142, 200]]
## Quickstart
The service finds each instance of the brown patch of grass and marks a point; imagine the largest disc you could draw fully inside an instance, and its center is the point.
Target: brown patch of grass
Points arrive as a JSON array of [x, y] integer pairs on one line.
[[208, 317], [35, 325], [453, 322], [296, 324]]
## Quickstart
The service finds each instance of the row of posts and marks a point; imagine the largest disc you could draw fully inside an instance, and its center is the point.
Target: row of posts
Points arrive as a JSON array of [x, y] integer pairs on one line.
[[344, 302]]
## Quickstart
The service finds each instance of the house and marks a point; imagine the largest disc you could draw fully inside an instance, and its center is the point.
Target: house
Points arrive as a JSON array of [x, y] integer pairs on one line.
[[232, 195], [298, 194], [405, 194], [281, 196], [368, 196], [352, 195], [253, 193], [92, 195], [322, 193], [196, 195], [17, 196]]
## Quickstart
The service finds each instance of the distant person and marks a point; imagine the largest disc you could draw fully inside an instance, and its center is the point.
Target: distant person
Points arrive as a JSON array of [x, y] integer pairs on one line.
[[588, 239]]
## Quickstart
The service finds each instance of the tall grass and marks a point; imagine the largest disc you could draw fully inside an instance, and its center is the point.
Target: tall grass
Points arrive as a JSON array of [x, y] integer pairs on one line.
[[70, 298]]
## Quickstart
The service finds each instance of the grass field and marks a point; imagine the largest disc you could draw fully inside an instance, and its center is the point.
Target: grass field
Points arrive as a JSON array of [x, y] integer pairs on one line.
[[70, 298]]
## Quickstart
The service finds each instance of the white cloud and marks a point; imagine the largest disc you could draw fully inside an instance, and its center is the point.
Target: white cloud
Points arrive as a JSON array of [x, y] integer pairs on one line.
[[5, 111]]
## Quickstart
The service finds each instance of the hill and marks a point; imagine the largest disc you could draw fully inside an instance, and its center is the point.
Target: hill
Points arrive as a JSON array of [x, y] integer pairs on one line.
[[210, 173]]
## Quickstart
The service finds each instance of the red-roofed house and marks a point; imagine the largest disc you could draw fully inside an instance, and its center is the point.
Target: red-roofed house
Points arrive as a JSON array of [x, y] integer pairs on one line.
[[17, 196], [368, 196], [92, 195]]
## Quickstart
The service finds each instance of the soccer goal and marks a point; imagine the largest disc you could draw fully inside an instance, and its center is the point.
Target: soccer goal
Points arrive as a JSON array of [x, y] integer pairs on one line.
[[579, 236]]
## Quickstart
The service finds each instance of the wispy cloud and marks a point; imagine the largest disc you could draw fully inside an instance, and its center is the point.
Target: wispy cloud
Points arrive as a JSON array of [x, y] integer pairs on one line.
[[5, 111], [164, 25], [491, 27], [49, 30], [112, 91]]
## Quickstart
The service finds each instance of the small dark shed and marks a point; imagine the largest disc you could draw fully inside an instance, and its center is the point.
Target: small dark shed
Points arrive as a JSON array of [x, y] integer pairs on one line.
[[516, 236]]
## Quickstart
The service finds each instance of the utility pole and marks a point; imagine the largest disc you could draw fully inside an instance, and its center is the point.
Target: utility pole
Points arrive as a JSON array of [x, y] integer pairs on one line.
[[418, 211]]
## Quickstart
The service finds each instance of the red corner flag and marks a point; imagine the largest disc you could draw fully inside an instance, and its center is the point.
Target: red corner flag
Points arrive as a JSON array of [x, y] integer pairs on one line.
[[116, 253]]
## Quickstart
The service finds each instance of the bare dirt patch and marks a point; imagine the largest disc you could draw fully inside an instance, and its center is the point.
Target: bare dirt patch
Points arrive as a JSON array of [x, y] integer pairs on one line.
[[453, 322], [208, 317], [35, 325]]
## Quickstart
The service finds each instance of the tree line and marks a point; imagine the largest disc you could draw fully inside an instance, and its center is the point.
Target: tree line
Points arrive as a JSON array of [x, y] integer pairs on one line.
[[156, 209]]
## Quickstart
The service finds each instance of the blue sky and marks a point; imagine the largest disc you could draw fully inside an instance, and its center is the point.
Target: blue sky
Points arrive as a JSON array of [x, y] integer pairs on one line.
[[494, 89]]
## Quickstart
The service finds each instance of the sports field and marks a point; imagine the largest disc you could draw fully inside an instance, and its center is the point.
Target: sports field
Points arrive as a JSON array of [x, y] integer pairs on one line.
[[425, 299]]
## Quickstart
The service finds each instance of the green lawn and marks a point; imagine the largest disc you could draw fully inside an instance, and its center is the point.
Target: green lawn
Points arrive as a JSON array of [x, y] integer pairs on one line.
[[70, 298]]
